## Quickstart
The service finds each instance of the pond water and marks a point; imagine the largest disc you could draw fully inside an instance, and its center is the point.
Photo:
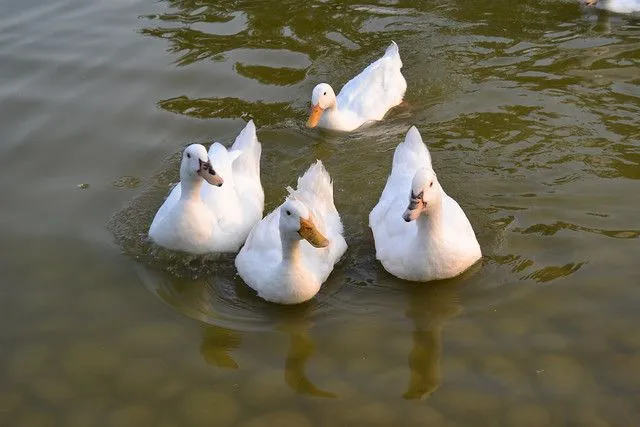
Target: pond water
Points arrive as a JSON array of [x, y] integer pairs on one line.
[[531, 110]]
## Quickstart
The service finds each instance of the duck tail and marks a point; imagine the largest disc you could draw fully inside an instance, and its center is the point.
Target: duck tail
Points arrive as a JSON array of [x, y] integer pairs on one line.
[[315, 190], [247, 142], [394, 52], [317, 181], [412, 153]]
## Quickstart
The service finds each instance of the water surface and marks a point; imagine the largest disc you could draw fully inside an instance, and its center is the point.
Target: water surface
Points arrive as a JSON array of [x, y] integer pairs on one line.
[[530, 110]]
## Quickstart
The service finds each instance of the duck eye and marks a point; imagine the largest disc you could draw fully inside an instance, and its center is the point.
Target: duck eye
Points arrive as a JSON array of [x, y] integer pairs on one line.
[[325, 93], [288, 213], [188, 156], [431, 185]]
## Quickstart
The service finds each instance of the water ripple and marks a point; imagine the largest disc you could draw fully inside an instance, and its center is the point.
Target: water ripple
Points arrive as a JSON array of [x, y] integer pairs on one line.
[[552, 229]]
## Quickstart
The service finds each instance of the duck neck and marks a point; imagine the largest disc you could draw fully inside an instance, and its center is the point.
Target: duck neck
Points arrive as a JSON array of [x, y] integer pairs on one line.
[[190, 189], [290, 250], [430, 223], [332, 113]]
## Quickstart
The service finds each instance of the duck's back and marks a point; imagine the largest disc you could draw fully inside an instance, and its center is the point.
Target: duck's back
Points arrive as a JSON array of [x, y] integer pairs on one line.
[[376, 89]]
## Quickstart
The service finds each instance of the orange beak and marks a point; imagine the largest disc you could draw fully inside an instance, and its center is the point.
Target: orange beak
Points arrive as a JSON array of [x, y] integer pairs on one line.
[[311, 234], [314, 117]]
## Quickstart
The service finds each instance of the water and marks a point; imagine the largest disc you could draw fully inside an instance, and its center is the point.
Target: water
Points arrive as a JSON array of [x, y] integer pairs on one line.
[[530, 110]]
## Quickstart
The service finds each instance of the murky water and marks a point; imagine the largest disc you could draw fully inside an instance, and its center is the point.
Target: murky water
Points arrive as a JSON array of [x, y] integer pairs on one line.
[[531, 110]]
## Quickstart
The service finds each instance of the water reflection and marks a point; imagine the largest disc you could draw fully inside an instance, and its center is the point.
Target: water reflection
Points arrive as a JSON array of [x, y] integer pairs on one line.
[[429, 306], [270, 57], [218, 343], [296, 26], [301, 350], [222, 299]]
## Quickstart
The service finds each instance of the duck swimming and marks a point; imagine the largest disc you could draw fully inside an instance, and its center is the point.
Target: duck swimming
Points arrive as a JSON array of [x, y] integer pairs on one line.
[[366, 97], [292, 251], [218, 200], [420, 233]]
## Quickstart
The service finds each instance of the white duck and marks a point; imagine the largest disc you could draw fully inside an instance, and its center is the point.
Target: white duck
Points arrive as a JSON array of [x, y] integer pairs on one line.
[[366, 97], [617, 6], [199, 218], [420, 233], [276, 262]]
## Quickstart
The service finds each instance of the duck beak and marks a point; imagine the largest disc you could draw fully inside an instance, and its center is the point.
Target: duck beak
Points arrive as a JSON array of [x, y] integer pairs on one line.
[[209, 175], [591, 2], [416, 205], [310, 233], [314, 117]]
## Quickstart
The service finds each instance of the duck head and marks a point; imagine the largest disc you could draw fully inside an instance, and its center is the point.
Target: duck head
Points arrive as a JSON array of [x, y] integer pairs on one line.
[[195, 163], [322, 97], [296, 223], [425, 194]]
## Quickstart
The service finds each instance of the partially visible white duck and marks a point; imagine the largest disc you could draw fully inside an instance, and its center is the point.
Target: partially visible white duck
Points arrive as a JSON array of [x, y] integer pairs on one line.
[[292, 251], [617, 6], [199, 218], [366, 97], [420, 233]]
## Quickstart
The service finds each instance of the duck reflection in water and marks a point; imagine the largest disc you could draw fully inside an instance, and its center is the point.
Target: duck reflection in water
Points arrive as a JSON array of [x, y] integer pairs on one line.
[[430, 305], [208, 298], [218, 344], [301, 349]]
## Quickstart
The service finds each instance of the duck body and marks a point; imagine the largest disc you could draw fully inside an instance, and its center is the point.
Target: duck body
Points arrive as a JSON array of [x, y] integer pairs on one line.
[[617, 6], [366, 97], [200, 218], [421, 234], [292, 251]]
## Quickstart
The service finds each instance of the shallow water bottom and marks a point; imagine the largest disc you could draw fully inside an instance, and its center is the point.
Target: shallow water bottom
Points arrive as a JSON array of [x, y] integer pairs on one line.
[[439, 364]]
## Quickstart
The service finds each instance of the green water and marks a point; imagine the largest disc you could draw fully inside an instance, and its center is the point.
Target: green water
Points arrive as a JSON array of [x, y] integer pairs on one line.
[[531, 110]]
